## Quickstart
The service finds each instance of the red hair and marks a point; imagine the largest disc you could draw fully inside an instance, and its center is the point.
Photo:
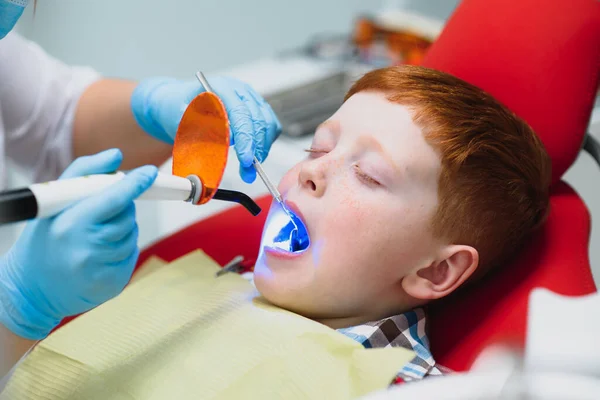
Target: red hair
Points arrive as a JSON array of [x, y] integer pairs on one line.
[[494, 184]]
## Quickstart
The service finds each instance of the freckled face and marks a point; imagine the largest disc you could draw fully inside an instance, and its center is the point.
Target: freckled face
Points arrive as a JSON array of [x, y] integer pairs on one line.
[[367, 193]]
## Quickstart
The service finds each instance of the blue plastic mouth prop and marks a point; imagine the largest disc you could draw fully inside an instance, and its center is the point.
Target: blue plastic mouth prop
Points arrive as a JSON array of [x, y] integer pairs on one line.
[[293, 236], [286, 231]]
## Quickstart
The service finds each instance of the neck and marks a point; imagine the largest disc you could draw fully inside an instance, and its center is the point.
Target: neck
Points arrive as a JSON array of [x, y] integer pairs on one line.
[[339, 323], [346, 322]]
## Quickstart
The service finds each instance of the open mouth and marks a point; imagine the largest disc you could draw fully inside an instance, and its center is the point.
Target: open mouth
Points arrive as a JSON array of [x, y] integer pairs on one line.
[[293, 236], [286, 231]]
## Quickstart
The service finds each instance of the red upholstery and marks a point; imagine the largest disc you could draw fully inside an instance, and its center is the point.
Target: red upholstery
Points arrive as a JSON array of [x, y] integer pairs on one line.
[[223, 236], [542, 60]]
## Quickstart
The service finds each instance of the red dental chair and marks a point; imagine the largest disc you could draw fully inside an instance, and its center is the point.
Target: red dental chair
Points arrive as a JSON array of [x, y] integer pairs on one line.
[[541, 59]]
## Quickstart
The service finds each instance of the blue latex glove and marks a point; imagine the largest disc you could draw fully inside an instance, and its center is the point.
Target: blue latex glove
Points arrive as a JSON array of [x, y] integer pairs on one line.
[[77, 260], [159, 103]]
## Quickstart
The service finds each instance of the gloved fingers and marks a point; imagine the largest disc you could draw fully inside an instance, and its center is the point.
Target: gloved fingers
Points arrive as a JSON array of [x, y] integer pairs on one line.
[[112, 278], [114, 200], [156, 104], [102, 163], [228, 90], [125, 268], [172, 104], [259, 123], [241, 126], [117, 228], [248, 136], [231, 92], [273, 127], [248, 174], [273, 130], [116, 252], [242, 129]]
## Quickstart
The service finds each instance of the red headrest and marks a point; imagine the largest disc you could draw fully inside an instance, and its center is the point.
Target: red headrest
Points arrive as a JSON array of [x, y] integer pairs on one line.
[[540, 58]]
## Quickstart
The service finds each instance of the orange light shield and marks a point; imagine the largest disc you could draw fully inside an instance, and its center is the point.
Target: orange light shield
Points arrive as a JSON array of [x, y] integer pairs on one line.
[[202, 143]]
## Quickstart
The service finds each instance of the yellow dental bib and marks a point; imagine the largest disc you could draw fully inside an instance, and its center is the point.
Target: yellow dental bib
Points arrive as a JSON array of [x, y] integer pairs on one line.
[[180, 333]]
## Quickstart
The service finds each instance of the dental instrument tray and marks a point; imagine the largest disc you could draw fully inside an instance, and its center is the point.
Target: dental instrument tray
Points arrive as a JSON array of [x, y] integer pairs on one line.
[[302, 108]]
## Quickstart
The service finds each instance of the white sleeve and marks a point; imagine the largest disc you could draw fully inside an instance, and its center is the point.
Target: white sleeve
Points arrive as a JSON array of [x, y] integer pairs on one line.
[[39, 97]]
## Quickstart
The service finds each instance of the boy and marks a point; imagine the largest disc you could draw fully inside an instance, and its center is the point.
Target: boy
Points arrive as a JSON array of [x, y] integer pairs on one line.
[[418, 184]]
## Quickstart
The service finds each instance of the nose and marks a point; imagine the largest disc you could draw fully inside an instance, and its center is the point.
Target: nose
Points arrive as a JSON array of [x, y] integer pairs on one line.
[[313, 176]]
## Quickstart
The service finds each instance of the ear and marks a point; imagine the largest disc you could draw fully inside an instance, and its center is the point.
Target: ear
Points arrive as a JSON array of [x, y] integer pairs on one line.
[[444, 275]]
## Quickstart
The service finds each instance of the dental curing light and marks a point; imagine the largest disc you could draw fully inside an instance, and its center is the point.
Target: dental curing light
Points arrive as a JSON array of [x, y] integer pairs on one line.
[[44, 200]]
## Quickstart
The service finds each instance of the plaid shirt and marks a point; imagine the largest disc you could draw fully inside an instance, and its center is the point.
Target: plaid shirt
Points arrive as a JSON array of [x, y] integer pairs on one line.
[[405, 330]]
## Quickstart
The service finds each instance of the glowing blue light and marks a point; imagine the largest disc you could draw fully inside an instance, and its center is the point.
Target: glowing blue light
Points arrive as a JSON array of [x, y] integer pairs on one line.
[[286, 231], [299, 235]]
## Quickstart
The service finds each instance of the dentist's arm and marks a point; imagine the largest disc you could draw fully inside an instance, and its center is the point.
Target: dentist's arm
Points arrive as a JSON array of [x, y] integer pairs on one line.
[[70, 263], [104, 120], [13, 349], [53, 113]]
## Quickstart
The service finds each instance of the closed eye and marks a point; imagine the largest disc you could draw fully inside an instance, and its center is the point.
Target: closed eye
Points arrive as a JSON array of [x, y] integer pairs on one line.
[[364, 177], [316, 152]]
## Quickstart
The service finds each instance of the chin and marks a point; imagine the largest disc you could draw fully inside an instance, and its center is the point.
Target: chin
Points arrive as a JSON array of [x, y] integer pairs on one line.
[[270, 281], [285, 276], [274, 295], [282, 287]]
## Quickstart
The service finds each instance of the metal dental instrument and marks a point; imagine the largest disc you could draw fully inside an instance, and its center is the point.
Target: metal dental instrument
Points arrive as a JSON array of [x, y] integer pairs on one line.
[[259, 170], [234, 265], [270, 187]]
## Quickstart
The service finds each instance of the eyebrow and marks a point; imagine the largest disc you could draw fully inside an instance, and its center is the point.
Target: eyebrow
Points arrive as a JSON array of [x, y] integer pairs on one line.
[[376, 145], [334, 127], [331, 125]]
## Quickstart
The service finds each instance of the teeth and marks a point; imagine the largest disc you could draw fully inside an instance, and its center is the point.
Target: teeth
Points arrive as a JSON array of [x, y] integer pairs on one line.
[[292, 237], [287, 232], [282, 246], [284, 239]]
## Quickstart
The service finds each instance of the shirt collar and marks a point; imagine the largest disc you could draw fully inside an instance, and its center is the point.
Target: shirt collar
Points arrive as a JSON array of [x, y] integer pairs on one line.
[[405, 330]]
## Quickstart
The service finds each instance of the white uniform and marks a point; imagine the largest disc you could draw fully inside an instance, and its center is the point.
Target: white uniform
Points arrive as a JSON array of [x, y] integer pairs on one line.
[[38, 99]]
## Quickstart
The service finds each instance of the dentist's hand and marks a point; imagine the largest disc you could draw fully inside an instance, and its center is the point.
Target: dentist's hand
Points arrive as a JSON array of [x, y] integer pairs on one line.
[[159, 103], [77, 260]]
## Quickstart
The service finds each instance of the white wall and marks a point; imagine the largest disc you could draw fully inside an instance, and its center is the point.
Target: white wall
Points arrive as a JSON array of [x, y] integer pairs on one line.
[[141, 38], [584, 177]]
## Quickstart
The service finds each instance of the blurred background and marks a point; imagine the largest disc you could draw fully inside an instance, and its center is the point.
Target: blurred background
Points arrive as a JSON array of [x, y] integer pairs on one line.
[[142, 38], [300, 55]]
